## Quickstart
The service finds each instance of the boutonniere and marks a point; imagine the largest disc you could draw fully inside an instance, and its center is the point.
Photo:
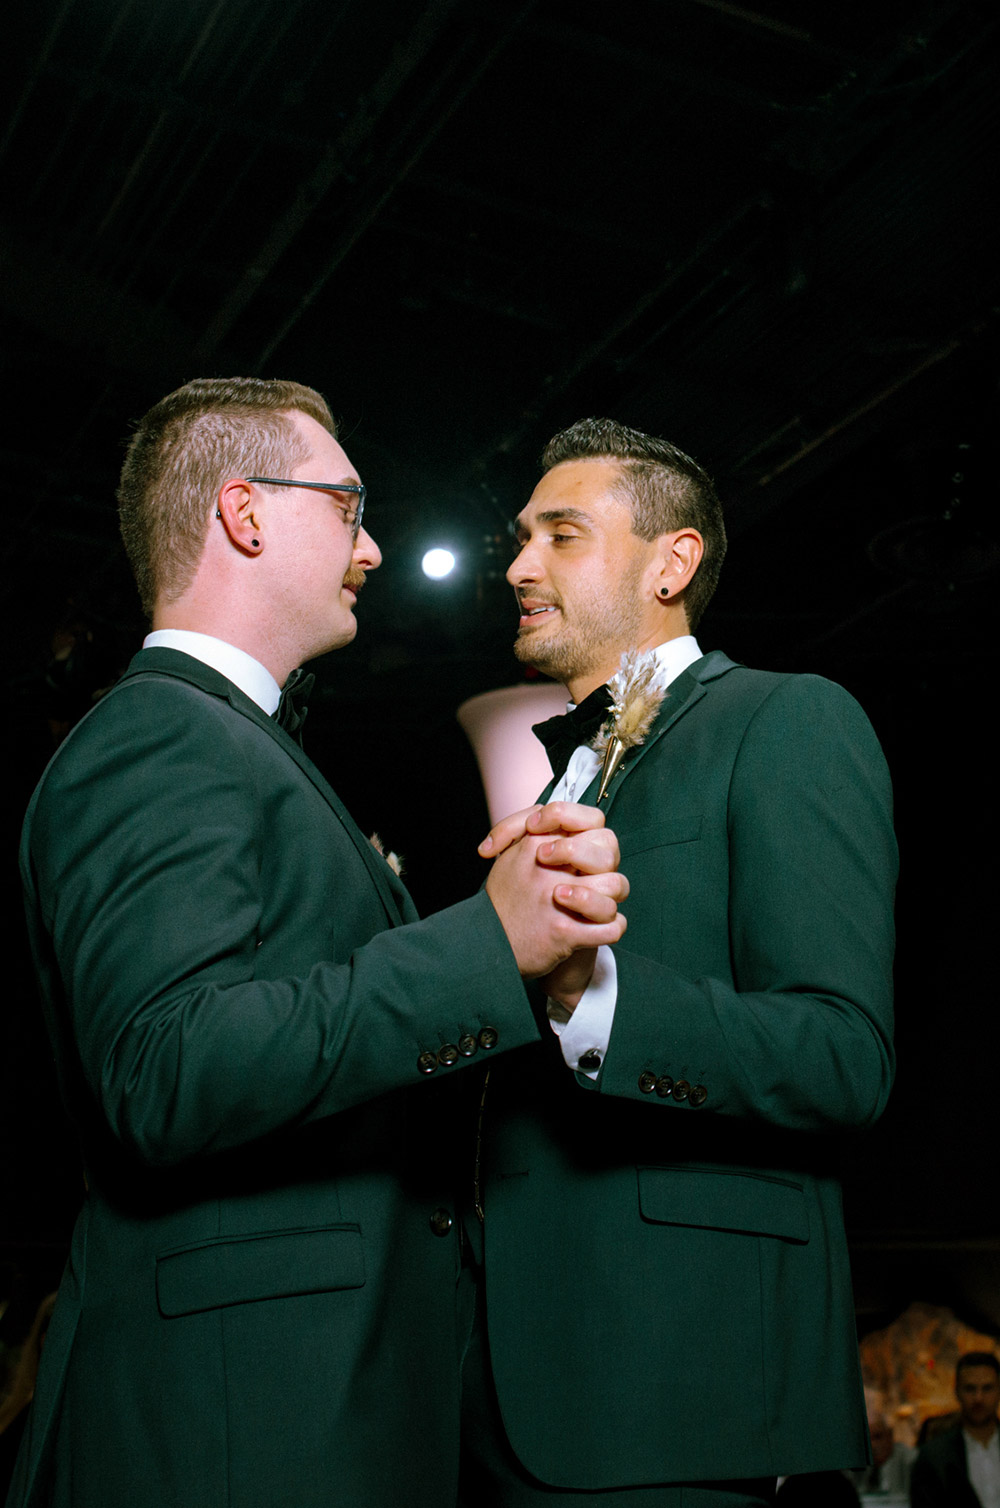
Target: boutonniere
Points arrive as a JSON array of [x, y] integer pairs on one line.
[[637, 689], [393, 860]]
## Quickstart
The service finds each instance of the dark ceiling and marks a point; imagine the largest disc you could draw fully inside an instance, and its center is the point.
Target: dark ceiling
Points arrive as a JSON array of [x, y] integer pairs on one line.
[[767, 231]]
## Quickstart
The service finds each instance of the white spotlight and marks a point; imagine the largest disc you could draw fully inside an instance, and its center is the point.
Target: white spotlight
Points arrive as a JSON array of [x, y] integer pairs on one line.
[[437, 564]]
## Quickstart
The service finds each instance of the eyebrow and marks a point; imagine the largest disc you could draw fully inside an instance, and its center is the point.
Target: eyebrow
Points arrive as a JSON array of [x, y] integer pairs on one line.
[[554, 516]]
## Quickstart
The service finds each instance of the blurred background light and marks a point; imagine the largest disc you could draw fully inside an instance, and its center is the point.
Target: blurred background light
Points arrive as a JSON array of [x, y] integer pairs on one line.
[[438, 563]]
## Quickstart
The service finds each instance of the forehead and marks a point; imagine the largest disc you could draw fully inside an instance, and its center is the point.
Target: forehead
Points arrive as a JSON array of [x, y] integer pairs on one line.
[[326, 456], [583, 488], [977, 1377]]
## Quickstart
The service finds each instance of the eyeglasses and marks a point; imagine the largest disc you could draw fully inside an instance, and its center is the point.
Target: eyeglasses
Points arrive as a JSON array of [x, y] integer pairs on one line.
[[352, 516]]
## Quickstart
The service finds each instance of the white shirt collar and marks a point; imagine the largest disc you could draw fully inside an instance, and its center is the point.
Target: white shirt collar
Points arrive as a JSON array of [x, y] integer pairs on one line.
[[235, 664], [674, 656]]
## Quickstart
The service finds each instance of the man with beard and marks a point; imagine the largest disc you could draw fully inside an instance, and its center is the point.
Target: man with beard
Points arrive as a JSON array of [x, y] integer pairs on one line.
[[663, 1311], [259, 1305], [960, 1467]]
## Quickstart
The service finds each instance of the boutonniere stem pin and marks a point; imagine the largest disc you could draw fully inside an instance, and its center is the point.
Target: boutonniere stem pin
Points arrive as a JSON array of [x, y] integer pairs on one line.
[[637, 690]]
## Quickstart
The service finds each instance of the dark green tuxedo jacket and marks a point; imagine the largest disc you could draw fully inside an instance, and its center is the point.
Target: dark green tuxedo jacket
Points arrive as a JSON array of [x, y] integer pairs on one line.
[[668, 1290], [258, 1311]]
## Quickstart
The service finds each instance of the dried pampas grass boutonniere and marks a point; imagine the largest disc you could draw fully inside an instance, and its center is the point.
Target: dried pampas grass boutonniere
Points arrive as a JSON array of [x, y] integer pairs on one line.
[[637, 691], [393, 860]]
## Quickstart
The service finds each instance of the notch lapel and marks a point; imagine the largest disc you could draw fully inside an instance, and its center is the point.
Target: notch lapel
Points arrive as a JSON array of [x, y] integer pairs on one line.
[[173, 662], [683, 693]]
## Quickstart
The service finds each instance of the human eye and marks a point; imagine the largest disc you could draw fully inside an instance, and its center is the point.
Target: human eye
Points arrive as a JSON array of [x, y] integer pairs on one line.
[[347, 502]]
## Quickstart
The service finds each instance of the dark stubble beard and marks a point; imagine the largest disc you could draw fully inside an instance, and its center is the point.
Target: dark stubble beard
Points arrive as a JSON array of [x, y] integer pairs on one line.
[[592, 637]]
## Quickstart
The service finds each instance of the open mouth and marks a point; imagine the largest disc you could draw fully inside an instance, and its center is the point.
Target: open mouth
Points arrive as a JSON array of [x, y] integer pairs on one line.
[[533, 612]]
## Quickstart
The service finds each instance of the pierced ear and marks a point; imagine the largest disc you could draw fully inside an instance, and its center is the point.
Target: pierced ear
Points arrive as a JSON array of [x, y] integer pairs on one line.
[[233, 509], [679, 557]]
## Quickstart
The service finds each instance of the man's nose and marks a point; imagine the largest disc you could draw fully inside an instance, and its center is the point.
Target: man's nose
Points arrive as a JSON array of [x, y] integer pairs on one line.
[[523, 567], [366, 552]]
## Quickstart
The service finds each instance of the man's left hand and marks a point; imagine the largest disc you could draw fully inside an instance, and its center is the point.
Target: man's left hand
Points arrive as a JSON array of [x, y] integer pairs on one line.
[[581, 844]]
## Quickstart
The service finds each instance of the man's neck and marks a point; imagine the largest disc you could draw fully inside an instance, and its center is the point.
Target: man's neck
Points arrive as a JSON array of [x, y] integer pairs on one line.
[[982, 1432], [249, 636], [244, 670], [580, 687]]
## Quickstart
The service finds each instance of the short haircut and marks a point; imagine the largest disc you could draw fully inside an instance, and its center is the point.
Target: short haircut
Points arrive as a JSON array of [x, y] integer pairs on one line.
[[181, 453], [977, 1359], [664, 488]]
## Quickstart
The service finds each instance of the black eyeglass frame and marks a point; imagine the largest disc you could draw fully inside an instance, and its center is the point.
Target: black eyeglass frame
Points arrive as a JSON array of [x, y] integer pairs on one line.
[[353, 520]]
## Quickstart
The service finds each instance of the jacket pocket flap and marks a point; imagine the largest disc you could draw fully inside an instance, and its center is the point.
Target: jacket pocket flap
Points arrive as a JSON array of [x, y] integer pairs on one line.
[[242, 1269], [748, 1202], [685, 828]]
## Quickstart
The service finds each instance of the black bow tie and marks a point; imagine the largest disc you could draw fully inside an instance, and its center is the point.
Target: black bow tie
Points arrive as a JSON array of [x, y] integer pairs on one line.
[[292, 706], [562, 734]]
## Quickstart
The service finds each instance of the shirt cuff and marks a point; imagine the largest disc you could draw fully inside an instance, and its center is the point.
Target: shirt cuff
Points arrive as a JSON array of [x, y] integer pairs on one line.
[[584, 1034]]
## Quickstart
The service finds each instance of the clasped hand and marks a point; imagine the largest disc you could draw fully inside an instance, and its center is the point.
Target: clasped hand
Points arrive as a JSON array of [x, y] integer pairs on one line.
[[555, 926]]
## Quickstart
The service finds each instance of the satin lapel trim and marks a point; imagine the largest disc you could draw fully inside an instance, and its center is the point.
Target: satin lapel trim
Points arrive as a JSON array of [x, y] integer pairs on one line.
[[682, 694], [175, 663]]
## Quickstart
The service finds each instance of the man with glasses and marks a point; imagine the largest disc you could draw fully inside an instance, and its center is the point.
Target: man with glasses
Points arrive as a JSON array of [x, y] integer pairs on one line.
[[258, 1308]]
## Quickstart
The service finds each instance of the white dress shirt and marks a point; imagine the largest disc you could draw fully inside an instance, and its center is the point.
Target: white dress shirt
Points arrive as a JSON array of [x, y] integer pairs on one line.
[[588, 1028], [235, 664], [983, 1463]]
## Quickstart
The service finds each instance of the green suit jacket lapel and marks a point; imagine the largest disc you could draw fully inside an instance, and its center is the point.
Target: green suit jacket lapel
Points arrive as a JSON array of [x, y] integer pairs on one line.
[[682, 694], [174, 662]]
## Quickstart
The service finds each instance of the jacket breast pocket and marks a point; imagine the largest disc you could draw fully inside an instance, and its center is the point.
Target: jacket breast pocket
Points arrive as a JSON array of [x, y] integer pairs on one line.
[[747, 1203], [685, 828], [244, 1269]]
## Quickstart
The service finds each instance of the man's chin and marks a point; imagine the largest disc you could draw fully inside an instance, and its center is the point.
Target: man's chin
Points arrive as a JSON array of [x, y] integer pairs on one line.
[[546, 656], [341, 636], [528, 647]]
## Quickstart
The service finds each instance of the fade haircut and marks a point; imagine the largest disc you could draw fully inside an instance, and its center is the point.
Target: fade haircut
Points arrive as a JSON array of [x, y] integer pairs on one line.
[[664, 488], [181, 453]]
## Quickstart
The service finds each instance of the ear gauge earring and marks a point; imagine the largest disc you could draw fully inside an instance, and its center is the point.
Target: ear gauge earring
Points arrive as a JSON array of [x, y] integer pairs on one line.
[[255, 543], [664, 594]]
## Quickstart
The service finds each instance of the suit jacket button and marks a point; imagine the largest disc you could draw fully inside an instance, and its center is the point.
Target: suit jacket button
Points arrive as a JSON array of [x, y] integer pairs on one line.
[[447, 1055], [427, 1062], [698, 1095], [664, 1085], [441, 1222], [589, 1060], [488, 1037], [682, 1089], [468, 1045], [647, 1081]]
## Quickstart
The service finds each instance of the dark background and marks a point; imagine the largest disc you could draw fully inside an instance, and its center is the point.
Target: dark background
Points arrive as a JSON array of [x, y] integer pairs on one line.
[[766, 231]]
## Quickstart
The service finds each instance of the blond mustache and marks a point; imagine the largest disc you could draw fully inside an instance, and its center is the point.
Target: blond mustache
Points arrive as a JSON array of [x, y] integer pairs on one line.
[[355, 579]]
